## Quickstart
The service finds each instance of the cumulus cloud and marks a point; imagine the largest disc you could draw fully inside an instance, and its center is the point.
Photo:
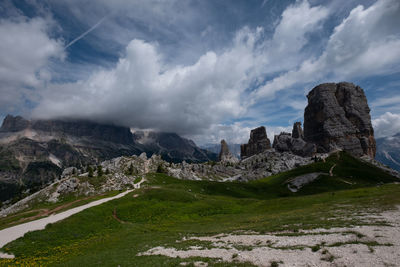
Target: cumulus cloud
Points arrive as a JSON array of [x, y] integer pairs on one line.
[[25, 51], [387, 124], [144, 91], [367, 42]]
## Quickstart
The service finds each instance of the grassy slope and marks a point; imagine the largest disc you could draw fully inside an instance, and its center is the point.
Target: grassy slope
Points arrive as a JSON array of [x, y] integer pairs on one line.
[[169, 209]]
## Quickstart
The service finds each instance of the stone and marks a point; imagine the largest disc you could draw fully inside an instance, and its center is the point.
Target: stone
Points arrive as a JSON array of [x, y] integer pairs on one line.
[[258, 143], [297, 131], [337, 118], [225, 155]]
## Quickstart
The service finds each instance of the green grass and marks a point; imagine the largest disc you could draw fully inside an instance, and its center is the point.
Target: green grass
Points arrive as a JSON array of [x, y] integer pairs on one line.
[[169, 209], [36, 207]]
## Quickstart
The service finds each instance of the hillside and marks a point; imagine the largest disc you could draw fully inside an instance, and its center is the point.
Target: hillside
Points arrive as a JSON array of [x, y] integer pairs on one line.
[[175, 213]]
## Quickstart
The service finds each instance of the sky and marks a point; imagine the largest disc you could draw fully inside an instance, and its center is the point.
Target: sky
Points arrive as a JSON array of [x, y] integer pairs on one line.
[[205, 69]]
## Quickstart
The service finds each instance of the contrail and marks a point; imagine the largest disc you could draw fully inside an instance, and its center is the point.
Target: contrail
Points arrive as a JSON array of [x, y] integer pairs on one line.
[[86, 32]]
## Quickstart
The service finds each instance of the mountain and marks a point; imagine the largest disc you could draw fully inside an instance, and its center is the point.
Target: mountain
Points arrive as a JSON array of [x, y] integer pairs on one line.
[[216, 148], [171, 147], [34, 152], [388, 151]]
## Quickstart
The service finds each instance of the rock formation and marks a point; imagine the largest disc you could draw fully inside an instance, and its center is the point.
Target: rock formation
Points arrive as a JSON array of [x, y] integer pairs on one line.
[[225, 155], [14, 124], [297, 131], [286, 142], [258, 143], [337, 117]]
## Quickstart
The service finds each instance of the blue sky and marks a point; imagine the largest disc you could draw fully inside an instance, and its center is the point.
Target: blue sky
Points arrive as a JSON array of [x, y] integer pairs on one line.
[[204, 69]]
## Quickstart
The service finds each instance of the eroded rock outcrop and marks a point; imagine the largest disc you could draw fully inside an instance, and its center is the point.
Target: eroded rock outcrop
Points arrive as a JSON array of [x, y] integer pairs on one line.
[[258, 143], [337, 117], [297, 131], [294, 143], [225, 155]]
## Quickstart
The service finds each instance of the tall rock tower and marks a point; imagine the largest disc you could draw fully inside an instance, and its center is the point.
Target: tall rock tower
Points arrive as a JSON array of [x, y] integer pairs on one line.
[[337, 117]]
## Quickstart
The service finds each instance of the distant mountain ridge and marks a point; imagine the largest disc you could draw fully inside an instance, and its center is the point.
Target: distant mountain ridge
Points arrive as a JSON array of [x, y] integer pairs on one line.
[[34, 152], [388, 151]]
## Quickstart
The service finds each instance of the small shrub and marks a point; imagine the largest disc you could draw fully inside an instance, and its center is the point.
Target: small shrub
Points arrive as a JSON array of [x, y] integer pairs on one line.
[[90, 171], [99, 171], [315, 248]]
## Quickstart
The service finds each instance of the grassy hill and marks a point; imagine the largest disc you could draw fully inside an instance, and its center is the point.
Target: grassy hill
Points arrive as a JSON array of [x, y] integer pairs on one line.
[[168, 209]]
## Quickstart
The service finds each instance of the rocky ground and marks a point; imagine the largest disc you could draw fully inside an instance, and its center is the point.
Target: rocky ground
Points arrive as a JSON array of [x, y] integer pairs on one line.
[[375, 244]]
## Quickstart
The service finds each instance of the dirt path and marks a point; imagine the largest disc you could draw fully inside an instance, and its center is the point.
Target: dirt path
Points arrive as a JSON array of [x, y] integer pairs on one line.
[[47, 212], [371, 245], [12, 233]]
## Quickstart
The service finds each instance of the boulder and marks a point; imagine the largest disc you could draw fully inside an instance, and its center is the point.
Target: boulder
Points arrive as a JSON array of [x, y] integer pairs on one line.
[[258, 143], [337, 117]]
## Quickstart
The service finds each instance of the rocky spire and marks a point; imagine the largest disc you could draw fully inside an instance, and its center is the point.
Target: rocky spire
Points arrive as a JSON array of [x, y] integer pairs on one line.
[[258, 143], [297, 131], [225, 155], [337, 117]]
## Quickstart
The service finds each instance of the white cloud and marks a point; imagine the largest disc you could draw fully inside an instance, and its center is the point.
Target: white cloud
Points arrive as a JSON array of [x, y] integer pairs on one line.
[[387, 124], [367, 42], [386, 101], [142, 91], [25, 50]]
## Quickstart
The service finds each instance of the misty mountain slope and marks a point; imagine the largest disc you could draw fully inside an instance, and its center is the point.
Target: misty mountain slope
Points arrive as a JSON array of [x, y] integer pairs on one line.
[[171, 147], [388, 151]]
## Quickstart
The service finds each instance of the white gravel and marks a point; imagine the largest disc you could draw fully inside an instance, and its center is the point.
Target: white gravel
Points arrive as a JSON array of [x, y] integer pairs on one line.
[[352, 246]]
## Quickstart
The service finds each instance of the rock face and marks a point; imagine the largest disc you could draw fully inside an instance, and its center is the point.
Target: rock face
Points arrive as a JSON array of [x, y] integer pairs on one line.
[[14, 124], [171, 147], [286, 142], [225, 155], [258, 143], [337, 117], [91, 130], [297, 131]]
